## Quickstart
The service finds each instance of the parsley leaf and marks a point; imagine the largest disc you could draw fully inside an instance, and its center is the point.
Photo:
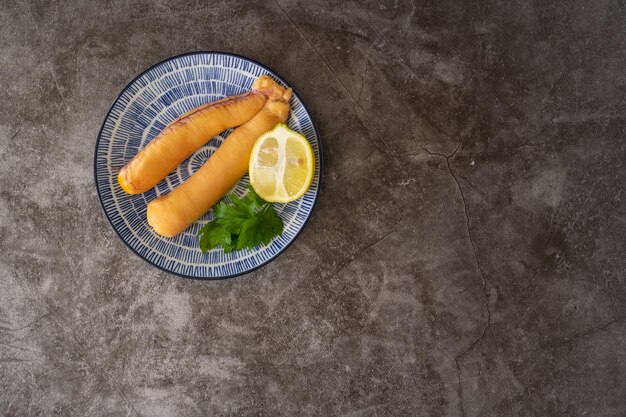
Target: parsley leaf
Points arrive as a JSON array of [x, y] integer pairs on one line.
[[247, 223]]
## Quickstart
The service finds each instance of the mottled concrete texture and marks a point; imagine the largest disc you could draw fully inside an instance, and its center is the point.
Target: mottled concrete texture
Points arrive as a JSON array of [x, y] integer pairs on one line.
[[466, 257]]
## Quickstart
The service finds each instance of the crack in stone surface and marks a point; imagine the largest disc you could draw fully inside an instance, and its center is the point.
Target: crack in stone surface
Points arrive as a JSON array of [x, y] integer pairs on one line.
[[459, 357], [590, 332], [471, 346], [358, 99], [409, 17], [15, 134], [363, 249], [515, 148], [37, 320]]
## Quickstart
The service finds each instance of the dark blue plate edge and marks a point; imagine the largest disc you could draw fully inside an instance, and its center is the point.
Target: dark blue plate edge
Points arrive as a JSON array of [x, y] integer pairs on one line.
[[304, 224]]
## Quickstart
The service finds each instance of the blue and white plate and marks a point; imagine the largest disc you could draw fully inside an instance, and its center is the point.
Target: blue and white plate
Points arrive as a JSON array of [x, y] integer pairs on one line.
[[148, 104]]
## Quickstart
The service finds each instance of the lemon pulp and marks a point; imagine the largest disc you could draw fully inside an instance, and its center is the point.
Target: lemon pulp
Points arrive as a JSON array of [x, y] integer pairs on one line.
[[282, 165]]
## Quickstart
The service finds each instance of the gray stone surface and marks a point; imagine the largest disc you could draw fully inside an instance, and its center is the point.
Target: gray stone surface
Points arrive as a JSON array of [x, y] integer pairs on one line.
[[466, 257]]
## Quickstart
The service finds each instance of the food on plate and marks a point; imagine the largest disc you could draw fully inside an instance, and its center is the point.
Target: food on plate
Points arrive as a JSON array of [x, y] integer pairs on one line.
[[246, 223], [184, 136], [281, 165], [172, 213]]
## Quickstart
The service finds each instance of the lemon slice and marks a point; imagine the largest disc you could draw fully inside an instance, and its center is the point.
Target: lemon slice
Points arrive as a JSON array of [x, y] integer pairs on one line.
[[281, 165]]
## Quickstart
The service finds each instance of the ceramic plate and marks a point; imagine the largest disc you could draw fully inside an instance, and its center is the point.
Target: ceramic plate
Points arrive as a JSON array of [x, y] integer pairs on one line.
[[148, 104]]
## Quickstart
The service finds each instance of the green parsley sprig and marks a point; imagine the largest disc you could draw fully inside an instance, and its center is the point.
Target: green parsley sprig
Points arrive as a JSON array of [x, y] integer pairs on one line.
[[247, 223]]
